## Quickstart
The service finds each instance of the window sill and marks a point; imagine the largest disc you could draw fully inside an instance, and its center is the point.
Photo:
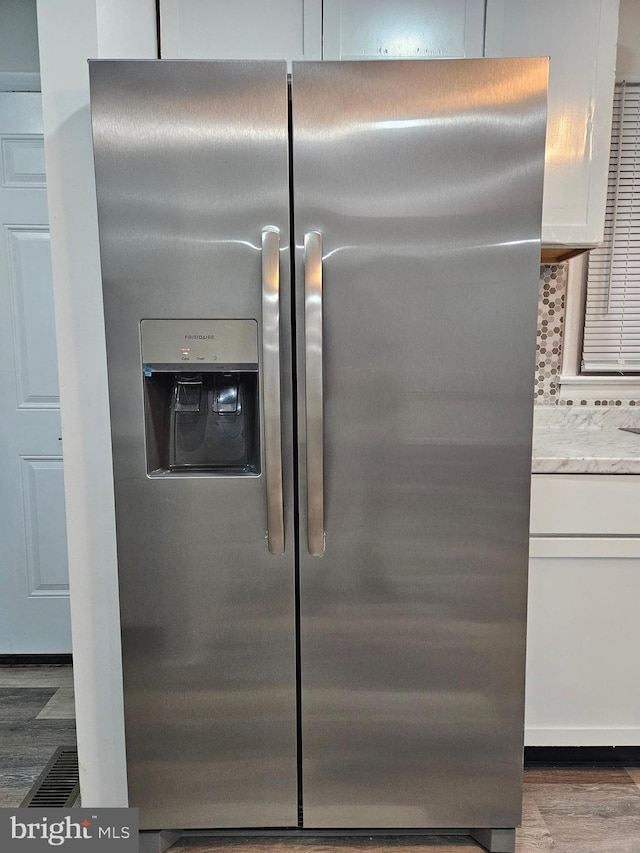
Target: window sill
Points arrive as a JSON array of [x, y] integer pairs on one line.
[[592, 388]]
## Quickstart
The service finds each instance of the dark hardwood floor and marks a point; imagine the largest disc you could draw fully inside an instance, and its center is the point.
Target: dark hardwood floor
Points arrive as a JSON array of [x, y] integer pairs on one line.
[[565, 810]]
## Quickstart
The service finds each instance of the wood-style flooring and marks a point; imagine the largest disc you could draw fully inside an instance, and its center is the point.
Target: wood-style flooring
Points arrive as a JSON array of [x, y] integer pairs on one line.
[[576, 810], [36, 716], [565, 810]]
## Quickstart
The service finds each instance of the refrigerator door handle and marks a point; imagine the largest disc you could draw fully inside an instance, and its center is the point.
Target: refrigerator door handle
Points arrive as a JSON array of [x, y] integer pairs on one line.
[[271, 388], [314, 391]]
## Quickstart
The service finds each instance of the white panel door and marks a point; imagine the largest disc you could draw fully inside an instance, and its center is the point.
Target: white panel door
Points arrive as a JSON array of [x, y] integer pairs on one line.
[[243, 29], [34, 589]]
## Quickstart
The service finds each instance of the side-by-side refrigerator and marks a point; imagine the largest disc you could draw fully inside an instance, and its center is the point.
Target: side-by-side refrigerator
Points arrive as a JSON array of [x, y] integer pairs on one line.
[[320, 303]]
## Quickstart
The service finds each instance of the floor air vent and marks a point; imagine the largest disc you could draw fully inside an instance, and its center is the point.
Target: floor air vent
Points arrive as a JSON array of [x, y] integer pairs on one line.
[[58, 786]]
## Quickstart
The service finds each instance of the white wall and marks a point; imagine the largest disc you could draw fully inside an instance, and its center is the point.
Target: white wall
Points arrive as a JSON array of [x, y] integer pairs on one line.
[[628, 57], [71, 31], [18, 36]]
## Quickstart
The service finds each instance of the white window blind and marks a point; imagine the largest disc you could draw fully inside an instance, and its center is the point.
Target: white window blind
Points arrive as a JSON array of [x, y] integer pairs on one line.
[[612, 313]]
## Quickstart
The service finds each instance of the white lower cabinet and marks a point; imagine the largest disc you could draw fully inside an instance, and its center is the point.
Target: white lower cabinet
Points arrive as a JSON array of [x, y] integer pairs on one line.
[[583, 684]]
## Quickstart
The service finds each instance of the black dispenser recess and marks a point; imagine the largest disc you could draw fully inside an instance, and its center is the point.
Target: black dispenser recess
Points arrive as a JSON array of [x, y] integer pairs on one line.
[[205, 421]]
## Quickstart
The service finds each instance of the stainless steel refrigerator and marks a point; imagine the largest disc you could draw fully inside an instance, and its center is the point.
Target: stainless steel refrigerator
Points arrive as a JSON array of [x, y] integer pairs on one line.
[[320, 305]]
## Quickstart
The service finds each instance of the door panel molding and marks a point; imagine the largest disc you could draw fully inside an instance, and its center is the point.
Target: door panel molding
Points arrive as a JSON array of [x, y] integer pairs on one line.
[[43, 503], [33, 317], [22, 161]]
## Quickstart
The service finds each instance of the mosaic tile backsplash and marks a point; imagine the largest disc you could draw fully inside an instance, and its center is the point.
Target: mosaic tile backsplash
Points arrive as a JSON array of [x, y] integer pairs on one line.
[[553, 286], [553, 289]]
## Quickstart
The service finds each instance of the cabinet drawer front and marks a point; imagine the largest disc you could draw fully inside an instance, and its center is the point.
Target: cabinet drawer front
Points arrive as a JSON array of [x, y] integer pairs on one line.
[[587, 504]]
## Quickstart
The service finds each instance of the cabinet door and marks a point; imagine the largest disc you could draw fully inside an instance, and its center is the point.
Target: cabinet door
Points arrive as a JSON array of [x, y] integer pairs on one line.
[[243, 29], [407, 29], [581, 40], [582, 639]]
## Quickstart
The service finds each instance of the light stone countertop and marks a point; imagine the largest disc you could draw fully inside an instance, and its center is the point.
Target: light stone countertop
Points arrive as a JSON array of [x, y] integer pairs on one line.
[[585, 440]]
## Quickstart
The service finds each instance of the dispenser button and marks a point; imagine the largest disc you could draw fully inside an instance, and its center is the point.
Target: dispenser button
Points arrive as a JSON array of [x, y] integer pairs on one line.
[[225, 399], [187, 392]]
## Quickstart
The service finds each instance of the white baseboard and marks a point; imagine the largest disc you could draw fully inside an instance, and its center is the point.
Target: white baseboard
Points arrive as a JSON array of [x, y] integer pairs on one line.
[[582, 737]]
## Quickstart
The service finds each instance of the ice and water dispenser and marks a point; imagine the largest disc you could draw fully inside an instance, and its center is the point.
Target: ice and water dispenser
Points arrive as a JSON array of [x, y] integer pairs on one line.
[[201, 397]]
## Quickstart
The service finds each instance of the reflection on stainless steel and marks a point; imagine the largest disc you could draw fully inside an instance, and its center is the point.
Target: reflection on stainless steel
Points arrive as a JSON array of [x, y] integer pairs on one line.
[[413, 624], [417, 189], [314, 394], [508, 109], [271, 385]]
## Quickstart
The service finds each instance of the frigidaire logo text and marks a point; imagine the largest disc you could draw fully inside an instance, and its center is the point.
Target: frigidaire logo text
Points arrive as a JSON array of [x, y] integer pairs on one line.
[[199, 337], [56, 833]]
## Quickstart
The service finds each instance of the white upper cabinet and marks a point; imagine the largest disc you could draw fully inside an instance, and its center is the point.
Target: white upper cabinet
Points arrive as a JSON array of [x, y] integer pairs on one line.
[[404, 29], [314, 30], [580, 39], [242, 29]]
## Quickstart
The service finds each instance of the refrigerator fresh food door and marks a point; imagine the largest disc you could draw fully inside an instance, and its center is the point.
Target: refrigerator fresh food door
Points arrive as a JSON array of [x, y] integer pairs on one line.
[[417, 192], [192, 177]]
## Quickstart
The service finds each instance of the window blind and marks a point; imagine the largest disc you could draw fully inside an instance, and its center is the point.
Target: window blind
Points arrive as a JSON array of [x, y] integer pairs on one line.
[[612, 313]]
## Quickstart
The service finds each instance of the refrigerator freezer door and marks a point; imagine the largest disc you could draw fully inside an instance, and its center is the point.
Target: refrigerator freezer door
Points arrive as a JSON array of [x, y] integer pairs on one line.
[[192, 169], [424, 180]]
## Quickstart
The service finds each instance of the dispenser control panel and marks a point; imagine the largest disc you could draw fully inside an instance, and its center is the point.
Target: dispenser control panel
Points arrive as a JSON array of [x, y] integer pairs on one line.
[[196, 344]]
